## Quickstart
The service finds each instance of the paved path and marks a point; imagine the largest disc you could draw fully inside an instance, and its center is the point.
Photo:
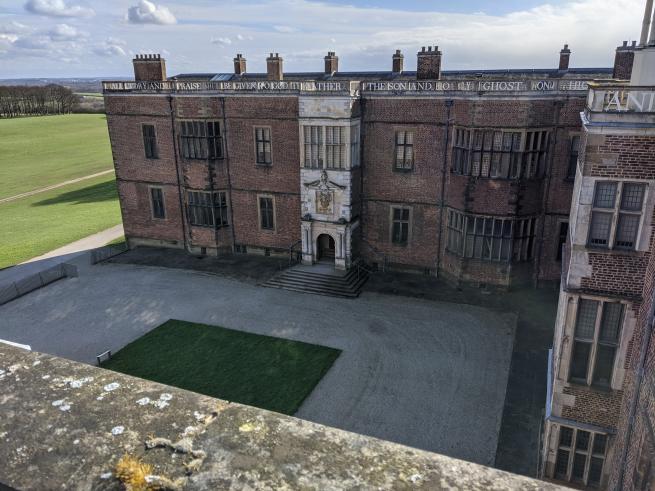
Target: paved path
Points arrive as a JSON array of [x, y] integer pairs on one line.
[[427, 374], [54, 186], [60, 255]]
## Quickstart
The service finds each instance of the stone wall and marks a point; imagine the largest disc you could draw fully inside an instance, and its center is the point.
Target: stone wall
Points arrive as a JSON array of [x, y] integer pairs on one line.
[[66, 425]]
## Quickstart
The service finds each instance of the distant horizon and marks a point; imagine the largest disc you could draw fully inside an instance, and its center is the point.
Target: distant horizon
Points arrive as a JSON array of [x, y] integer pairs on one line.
[[88, 37]]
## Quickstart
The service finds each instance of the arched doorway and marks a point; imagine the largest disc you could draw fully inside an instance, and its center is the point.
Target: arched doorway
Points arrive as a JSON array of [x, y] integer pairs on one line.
[[325, 247]]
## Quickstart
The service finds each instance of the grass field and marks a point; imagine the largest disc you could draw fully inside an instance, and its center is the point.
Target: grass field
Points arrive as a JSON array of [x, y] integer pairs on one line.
[[40, 223], [263, 371], [39, 151]]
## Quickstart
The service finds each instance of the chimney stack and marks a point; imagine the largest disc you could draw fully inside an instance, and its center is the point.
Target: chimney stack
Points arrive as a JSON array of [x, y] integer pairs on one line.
[[397, 62], [564, 57], [239, 65], [274, 67], [331, 63], [623, 61], [428, 64], [150, 68]]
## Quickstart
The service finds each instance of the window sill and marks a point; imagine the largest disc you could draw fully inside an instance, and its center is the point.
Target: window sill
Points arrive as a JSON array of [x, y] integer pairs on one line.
[[262, 165], [403, 171], [616, 252], [593, 387]]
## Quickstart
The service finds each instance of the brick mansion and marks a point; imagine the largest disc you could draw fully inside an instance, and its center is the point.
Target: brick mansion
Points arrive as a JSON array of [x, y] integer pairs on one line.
[[489, 177], [465, 175]]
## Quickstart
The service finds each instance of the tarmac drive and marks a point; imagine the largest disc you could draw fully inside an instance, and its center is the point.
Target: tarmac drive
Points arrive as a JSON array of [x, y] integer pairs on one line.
[[427, 374]]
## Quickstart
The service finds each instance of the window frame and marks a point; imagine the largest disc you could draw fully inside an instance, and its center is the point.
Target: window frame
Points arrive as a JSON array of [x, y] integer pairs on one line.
[[264, 142], [154, 148], [401, 221], [403, 165], [260, 215], [153, 213], [484, 152], [595, 342], [574, 154], [616, 211], [512, 238], [207, 146], [560, 236], [218, 209], [572, 450]]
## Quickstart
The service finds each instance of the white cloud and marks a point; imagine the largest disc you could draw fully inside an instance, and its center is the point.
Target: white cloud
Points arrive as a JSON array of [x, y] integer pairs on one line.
[[13, 28], [223, 41], [285, 29], [63, 31], [111, 47], [57, 8], [149, 13], [33, 43]]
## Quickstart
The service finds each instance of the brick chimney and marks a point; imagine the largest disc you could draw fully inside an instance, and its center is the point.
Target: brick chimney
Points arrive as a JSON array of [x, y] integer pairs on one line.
[[397, 62], [150, 68], [623, 60], [239, 65], [428, 64], [564, 57], [331, 63], [274, 67]]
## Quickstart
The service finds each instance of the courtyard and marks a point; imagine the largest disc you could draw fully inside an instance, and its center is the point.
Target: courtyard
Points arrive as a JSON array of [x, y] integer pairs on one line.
[[427, 374]]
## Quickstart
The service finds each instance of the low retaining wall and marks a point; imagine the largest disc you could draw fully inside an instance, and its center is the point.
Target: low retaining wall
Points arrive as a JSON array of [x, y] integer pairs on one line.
[[104, 253], [36, 281]]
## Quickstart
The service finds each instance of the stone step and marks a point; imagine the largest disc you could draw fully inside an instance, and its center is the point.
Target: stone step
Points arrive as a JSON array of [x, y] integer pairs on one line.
[[347, 286]]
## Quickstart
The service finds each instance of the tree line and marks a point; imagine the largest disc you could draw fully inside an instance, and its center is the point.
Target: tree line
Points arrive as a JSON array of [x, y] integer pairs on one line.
[[22, 100]]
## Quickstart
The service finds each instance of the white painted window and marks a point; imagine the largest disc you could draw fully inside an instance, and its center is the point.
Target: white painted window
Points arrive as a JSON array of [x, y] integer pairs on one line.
[[580, 456], [616, 215], [595, 342]]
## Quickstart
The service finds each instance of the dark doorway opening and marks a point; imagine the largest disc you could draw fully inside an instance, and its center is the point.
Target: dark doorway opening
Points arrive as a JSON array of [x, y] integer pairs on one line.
[[325, 248]]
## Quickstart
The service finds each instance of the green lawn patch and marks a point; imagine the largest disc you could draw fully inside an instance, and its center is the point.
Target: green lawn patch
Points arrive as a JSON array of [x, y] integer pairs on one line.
[[36, 152], [40, 223], [262, 371]]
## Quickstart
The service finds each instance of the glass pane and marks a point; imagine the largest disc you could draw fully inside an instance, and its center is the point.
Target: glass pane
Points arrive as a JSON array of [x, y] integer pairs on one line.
[[626, 231], [611, 322], [565, 436], [632, 197], [605, 195], [600, 229], [582, 440], [595, 472], [586, 320], [604, 365], [579, 462], [600, 441], [561, 464], [580, 361]]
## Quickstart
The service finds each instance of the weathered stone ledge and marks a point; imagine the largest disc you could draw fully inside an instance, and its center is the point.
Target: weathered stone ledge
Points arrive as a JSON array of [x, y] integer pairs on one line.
[[65, 425]]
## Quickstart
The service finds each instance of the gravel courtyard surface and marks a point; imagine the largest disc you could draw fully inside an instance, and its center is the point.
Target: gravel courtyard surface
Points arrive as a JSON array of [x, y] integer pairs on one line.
[[426, 374]]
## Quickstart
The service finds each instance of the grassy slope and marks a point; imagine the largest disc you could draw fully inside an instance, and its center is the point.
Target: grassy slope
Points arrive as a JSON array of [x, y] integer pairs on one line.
[[35, 225], [267, 372], [39, 151]]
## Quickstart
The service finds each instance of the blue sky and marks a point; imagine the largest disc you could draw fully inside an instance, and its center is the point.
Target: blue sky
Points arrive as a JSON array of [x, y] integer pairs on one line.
[[69, 38]]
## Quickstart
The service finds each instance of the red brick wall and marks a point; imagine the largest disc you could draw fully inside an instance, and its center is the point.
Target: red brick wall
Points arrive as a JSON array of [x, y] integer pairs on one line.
[[381, 185], [592, 406]]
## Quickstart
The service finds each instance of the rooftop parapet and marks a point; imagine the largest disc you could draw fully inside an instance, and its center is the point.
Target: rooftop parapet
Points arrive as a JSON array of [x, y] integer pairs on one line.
[[618, 102], [473, 86], [65, 425]]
